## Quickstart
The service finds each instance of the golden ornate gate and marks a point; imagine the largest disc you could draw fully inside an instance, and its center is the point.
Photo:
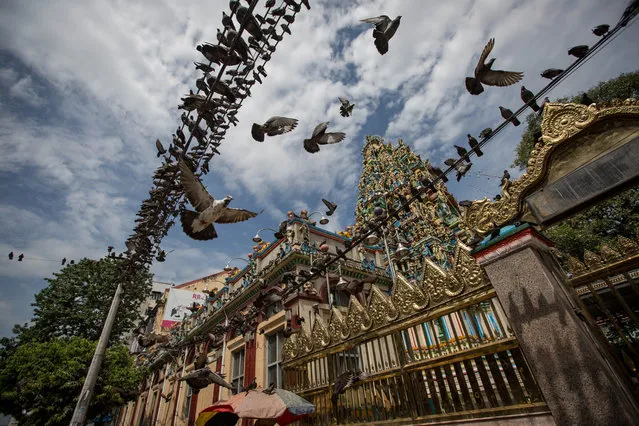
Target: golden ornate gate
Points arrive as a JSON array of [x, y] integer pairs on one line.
[[438, 349]]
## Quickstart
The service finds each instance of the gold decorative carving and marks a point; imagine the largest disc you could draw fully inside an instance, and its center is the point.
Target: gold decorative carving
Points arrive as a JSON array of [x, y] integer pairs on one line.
[[560, 123], [626, 245], [576, 266], [592, 260], [303, 341], [290, 347], [337, 327], [408, 297], [465, 268], [380, 307], [434, 281], [357, 317], [609, 254], [319, 335]]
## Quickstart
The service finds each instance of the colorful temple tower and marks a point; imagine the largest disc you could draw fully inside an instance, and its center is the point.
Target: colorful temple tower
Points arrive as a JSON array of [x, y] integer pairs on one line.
[[431, 226]]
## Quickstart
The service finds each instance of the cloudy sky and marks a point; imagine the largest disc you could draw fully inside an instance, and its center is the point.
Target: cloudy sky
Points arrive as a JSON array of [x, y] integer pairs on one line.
[[87, 87]]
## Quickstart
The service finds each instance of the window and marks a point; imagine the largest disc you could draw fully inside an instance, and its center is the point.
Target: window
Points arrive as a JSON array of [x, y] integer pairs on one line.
[[274, 344], [237, 376], [186, 410]]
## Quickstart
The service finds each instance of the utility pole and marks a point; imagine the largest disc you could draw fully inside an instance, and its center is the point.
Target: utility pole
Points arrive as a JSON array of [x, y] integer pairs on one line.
[[81, 408]]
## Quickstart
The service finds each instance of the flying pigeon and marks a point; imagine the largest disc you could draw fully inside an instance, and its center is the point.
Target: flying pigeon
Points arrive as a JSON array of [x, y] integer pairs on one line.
[[384, 30], [474, 145], [11, 256], [330, 206], [270, 389], [347, 107], [578, 51], [461, 168], [199, 224], [600, 30], [346, 380], [20, 257], [551, 73], [64, 260], [272, 127], [199, 379], [161, 150], [484, 73], [508, 115], [320, 137], [529, 98]]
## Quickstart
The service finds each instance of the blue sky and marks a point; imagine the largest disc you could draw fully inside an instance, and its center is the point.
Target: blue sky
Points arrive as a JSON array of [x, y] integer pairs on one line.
[[87, 87]]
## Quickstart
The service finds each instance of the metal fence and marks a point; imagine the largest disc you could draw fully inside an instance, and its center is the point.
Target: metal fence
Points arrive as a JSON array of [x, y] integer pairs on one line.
[[462, 364]]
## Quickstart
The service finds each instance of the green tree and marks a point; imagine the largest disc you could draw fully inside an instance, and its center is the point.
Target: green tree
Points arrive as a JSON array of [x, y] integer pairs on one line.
[[77, 299], [622, 87], [41, 381], [600, 224]]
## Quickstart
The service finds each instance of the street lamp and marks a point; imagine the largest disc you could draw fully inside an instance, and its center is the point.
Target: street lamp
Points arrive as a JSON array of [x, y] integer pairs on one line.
[[257, 238], [372, 239], [323, 220], [228, 268]]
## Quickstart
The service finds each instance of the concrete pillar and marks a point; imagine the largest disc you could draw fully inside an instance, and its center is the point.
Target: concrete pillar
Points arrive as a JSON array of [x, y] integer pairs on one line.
[[575, 377]]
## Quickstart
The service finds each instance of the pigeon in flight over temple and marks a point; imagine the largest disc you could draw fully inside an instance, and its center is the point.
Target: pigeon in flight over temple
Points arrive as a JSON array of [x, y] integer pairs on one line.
[[161, 150], [272, 127], [484, 74], [384, 30], [199, 379], [346, 109], [320, 137], [330, 206], [346, 380], [199, 224]]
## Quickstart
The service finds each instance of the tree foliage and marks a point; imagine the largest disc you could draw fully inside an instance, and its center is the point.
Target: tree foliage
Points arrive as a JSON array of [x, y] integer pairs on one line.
[[77, 299], [600, 224], [40, 381], [622, 87]]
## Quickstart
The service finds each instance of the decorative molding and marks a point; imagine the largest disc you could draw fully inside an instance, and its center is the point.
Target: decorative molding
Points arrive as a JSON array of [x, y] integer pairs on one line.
[[561, 122]]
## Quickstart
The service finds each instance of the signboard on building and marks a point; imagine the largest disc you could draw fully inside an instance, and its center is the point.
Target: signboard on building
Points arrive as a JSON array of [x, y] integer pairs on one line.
[[177, 305]]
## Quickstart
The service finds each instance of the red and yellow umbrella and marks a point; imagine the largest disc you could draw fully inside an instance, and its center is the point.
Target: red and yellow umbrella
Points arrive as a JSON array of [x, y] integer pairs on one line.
[[217, 416]]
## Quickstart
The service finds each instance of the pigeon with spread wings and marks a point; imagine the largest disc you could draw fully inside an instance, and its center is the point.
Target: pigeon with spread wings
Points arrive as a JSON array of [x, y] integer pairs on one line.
[[484, 73], [199, 224], [384, 30], [346, 109], [320, 137], [272, 127]]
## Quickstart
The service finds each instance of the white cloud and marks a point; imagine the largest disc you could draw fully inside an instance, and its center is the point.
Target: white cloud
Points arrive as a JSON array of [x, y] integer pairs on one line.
[[109, 76]]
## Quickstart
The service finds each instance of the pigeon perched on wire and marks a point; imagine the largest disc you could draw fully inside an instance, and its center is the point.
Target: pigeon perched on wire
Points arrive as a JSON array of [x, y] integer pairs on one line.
[[578, 51], [320, 137], [601, 30], [551, 73], [199, 224], [486, 133], [629, 12], [529, 98], [384, 30], [203, 67], [346, 109], [461, 167], [245, 17], [474, 145], [272, 127], [484, 74], [330, 206], [508, 115], [436, 171]]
